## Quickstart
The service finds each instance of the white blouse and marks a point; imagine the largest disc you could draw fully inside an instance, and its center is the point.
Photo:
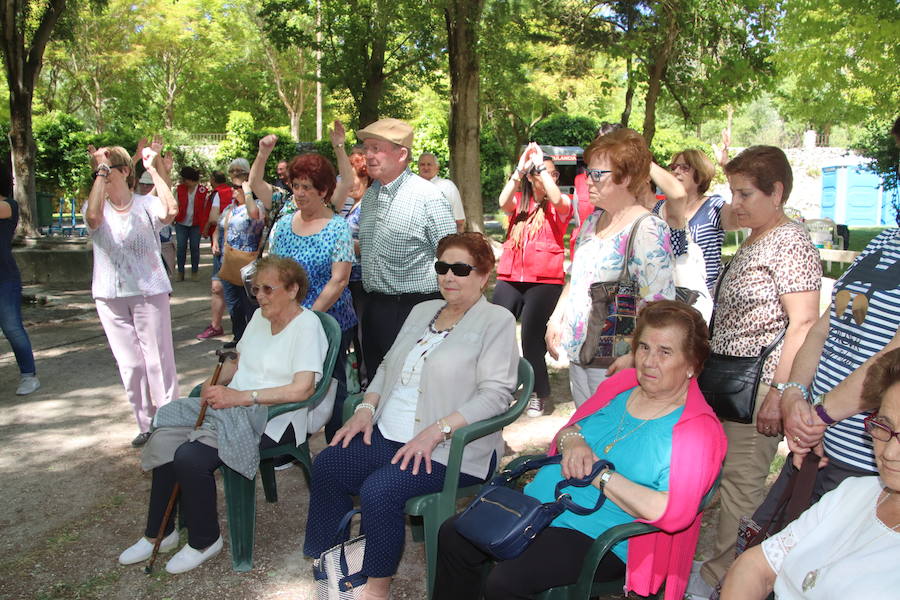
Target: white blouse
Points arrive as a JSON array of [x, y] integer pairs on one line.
[[838, 549], [127, 260]]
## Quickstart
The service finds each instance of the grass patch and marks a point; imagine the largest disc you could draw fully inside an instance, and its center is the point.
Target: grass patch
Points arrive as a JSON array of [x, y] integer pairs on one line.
[[777, 465]]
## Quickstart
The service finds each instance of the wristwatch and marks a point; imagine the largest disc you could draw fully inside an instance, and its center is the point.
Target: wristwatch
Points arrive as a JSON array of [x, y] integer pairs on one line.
[[444, 428], [818, 404], [604, 477], [254, 398]]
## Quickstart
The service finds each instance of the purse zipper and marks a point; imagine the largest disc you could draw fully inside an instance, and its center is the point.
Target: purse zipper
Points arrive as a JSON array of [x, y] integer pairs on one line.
[[506, 508]]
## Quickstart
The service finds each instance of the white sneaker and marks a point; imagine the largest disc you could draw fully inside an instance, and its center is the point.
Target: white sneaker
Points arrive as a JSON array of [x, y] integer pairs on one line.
[[535, 407], [143, 549], [697, 587], [27, 384], [187, 558]]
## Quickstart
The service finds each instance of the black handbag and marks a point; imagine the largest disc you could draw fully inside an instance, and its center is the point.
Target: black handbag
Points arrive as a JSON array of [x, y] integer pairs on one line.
[[613, 317], [730, 383], [502, 521]]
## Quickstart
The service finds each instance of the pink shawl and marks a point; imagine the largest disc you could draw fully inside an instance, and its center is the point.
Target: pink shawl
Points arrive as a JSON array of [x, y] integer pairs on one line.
[[698, 449]]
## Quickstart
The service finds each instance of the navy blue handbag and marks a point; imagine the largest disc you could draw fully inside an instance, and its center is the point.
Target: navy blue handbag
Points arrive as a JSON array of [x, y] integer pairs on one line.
[[502, 521]]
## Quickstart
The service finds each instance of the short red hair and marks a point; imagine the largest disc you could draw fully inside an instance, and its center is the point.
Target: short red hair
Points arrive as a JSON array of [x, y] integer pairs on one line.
[[317, 169], [472, 242], [628, 154]]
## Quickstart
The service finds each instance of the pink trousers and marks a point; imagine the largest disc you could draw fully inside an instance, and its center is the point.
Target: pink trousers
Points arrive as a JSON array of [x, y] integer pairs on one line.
[[139, 330]]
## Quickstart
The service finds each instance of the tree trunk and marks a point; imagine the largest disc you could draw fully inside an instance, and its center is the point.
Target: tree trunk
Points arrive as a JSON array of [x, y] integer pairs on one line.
[[23, 60], [295, 125], [373, 88], [462, 18], [629, 93], [656, 71], [21, 141]]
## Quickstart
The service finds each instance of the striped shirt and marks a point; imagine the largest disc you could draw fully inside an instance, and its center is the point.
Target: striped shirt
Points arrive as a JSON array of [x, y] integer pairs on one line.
[[706, 231], [874, 275], [400, 225]]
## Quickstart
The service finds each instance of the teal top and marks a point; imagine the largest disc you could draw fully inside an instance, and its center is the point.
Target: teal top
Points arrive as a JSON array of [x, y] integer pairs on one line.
[[643, 457]]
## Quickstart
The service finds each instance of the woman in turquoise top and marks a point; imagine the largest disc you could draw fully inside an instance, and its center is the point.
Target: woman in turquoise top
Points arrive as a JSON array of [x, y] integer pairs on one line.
[[634, 431], [321, 242]]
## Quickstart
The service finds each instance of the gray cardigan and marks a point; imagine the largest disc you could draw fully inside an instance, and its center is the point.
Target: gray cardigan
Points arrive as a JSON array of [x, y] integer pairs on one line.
[[473, 371]]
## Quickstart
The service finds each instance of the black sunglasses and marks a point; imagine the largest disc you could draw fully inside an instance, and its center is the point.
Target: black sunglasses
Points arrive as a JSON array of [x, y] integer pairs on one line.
[[459, 269]]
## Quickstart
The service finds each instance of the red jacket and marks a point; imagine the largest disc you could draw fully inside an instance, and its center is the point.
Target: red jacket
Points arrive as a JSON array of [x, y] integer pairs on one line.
[[540, 258], [201, 204]]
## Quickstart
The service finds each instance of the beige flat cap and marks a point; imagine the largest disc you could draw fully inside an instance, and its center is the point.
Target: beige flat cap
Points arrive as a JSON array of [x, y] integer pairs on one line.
[[389, 130]]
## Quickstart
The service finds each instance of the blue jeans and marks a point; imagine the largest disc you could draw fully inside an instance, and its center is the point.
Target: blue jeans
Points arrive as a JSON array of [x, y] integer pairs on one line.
[[185, 234], [11, 324], [240, 307]]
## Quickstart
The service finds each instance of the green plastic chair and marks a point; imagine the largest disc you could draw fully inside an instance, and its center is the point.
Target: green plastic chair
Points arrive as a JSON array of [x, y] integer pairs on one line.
[[586, 587], [431, 510], [240, 492]]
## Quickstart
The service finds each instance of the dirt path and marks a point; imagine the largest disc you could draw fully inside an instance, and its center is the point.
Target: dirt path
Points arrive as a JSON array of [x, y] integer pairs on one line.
[[73, 495]]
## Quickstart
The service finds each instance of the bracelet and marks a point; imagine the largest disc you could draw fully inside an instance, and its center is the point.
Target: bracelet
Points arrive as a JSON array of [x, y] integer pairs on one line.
[[515, 176], [562, 440], [338, 145], [364, 405], [820, 410], [781, 387]]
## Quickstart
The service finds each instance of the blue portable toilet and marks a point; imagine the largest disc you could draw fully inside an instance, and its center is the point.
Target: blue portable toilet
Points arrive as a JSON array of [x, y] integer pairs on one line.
[[854, 195]]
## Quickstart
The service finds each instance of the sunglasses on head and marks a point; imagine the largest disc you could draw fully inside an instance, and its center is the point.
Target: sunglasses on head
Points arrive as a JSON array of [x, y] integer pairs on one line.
[[459, 269], [265, 289]]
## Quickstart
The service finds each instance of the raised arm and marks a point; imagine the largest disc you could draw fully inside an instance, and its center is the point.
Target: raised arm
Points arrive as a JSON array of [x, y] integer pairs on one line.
[[93, 212], [507, 194], [168, 207], [345, 169], [258, 185], [674, 210], [560, 202]]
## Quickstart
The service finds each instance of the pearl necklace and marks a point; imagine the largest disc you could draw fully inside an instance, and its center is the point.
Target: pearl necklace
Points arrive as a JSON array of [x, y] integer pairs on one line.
[[121, 209], [809, 582]]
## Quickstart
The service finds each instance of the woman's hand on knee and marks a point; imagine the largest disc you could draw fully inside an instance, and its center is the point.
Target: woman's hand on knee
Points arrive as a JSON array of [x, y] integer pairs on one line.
[[361, 421], [418, 450]]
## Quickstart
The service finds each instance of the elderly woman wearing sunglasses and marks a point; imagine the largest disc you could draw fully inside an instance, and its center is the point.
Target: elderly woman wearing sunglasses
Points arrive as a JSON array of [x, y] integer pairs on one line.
[[454, 362], [847, 544]]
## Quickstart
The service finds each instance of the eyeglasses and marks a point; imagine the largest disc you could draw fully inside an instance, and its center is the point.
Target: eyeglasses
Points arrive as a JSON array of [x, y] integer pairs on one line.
[[459, 269], [265, 289], [596, 174], [680, 167], [879, 430]]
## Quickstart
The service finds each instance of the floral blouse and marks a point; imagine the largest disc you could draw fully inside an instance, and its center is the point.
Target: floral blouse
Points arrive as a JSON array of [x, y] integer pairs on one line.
[[243, 233], [597, 260]]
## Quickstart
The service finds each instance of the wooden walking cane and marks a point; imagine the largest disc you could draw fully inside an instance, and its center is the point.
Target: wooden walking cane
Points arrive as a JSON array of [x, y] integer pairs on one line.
[[223, 355]]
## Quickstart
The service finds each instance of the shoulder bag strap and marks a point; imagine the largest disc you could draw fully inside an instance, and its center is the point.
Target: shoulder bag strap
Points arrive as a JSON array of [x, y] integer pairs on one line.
[[629, 248], [566, 501]]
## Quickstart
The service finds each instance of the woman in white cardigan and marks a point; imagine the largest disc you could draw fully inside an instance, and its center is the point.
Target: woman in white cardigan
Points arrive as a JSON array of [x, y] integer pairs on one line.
[[454, 362]]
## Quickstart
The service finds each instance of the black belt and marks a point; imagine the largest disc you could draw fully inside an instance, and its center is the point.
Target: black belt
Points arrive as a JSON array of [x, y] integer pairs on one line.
[[402, 298]]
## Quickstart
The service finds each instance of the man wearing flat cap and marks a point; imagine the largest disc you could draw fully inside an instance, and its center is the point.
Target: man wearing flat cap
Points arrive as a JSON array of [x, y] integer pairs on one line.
[[402, 219]]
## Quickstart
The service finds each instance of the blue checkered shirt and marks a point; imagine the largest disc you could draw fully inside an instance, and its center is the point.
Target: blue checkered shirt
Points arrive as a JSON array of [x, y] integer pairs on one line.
[[400, 225]]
